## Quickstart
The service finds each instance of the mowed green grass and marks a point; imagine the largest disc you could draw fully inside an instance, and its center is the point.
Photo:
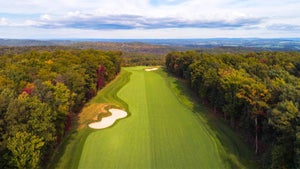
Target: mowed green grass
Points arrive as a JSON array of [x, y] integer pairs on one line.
[[160, 132], [133, 143], [68, 154]]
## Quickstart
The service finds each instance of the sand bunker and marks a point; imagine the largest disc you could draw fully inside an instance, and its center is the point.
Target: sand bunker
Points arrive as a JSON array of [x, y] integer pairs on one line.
[[110, 120], [151, 69]]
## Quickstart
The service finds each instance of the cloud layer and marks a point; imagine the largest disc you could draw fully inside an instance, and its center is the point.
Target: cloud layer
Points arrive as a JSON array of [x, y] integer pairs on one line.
[[139, 22], [219, 18]]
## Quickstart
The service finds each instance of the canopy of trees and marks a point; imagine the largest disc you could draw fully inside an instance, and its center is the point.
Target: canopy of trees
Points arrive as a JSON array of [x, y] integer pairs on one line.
[[39, 92], [256, 92]]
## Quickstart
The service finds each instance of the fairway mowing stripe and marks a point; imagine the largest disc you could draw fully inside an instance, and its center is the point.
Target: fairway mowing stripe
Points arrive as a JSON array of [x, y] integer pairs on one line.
[[175, 131], [161, 132], [128, 142]]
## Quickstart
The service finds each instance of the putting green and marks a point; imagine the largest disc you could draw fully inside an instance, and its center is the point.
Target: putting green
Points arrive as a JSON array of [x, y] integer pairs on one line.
[[159, 133]]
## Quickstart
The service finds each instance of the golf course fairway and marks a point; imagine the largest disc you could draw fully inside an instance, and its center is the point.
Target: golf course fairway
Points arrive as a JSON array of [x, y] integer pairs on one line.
[[166, 127], [159, 133]]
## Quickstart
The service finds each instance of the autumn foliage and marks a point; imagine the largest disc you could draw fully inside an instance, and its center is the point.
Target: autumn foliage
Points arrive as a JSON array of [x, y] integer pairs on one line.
[[255, 92], [40, 92]]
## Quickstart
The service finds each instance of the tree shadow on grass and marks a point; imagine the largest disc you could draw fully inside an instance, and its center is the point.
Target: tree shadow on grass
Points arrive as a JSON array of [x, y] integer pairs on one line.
[[235, 152], [68, 153]]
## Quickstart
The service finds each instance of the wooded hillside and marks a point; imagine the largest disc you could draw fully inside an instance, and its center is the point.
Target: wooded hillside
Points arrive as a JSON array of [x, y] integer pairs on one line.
[[39, 93], [257, 93]]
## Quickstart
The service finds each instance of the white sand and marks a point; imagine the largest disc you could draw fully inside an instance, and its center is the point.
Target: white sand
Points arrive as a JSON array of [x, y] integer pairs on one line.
[[110, 120], [151, 69]]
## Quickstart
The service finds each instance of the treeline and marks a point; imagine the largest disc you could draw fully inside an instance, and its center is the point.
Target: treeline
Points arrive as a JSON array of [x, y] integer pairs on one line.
[[16, 50], [145, 59], [126, 47], [128, 58], [256, 92], [134, 53], [39, 93]]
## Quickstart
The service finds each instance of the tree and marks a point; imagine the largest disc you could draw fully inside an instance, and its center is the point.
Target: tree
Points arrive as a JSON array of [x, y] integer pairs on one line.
[[25, 149], [285, 118], [256, 95], [231, 81], [61, 104], [6, 96], [76, 83], [101, 72], [297, 148], [27, 113], [58, 97]]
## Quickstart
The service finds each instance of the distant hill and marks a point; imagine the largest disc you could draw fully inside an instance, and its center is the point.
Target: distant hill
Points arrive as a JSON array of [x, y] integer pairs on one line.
[[279, 44], [162, 45], [25, 42], [128, 47]]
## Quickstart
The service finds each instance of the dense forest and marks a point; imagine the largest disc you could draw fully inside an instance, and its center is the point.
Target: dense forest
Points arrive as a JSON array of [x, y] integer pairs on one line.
[[40, 91], [42, 88], [135, 54], [257, 93]]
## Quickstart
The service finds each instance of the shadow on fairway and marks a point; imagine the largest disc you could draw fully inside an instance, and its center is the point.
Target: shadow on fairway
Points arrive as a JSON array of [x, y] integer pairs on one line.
[[233, 149], [68, 153]]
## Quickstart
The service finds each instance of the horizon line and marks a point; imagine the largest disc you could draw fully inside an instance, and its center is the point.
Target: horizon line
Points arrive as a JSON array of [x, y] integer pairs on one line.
[[50, 39]]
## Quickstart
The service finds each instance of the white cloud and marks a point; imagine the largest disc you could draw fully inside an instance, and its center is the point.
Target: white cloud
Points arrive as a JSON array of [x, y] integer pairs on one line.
[[276, 16], [45, 17], [29, 23], [4, 22]]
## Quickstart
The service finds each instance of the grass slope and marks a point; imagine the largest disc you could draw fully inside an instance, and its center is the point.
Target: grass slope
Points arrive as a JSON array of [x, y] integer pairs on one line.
[[160, 133]]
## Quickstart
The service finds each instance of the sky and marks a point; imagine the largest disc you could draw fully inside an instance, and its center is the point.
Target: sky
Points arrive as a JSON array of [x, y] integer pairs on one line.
[[163, 19]]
